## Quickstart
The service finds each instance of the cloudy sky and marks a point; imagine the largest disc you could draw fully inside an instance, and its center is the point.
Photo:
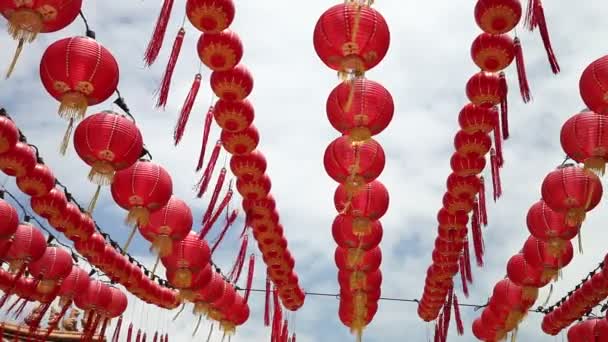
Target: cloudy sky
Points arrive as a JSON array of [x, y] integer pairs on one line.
[[426, 68]]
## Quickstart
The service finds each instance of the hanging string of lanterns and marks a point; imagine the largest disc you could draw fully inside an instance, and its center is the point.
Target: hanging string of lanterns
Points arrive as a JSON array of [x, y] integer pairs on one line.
[[352, 38], [568, 193], [592, 329]]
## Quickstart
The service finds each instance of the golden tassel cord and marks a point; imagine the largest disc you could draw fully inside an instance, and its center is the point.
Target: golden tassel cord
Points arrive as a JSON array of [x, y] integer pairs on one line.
[[101, 173], [11, 67], [138, 216], [129, 240], [73, 105], [596, 164], [163, 245], [46, 286], [66, 138], [93, 202], [25, 24]]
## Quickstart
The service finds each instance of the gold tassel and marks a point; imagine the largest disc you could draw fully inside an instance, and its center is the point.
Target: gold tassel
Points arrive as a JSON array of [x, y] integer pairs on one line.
[[93, 202], [46, 286], [596, 164], [101, 173], [183, 278], [129, 240], [162, 245], [138, 216], [25, 24], [15, 58], [73, 105], [66, 138], [514, 335]]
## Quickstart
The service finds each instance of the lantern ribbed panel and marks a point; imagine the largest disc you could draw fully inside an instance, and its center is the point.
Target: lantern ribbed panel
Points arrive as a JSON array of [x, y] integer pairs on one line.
[[18, 161], [37, 182], [55, 264], [593, 85], [173, 220], [497, 16], [220, 51], [9, 220], [28, 244], [233, 84]]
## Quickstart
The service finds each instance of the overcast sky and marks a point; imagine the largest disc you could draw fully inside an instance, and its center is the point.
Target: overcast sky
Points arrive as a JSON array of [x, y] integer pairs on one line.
[[425, 69]]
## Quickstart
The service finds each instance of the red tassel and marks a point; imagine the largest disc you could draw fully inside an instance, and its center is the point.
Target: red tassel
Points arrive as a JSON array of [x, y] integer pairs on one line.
[[21, 309], [166, 82], [104, 327], [524, 87], [203, 183], [483, 213], [216, 192], [138, 337], [504, 108], [54, 323], [209, 224], [458, 317], [250, 271], [477, 237], [447, 312], [166, 337], [239, 261], [463, 276], [156, 42], [284, 331], [143, 339], [13, 283], [293, 337], [2, 330], [530, 21], [467, 261], [116, 334], [130, 332], [495, 175], [277, 317], [439, 329], [206, 132], [155, 337], [535, 17], [498, 141], [228, 224], [36, 318], [267, 304], [178, 132]]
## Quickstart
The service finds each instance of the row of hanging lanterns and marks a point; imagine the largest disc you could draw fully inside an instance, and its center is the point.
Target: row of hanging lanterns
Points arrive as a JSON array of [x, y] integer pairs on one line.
[[590, 330], [568, 193], [352, 38]]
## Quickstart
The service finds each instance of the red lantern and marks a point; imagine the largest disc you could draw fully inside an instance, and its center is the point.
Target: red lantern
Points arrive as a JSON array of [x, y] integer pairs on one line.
[[232, 85], [96, 298], [210, 16], [493, 52], [94, 246], [249, 166], [547, 225], [28, 18], [351, 37], [359, 281], [360, 108], [540, 254], [354, 259], [485, 89], [342, 231], [254, 189], [260, 209], [593, 85], [54, 266], [50, 205], [107, 142], [354, 164], [83, 230], [467, 165], [448, 221], [9, 220], [39, 181], [463, 186], [473, 118], [9, 133], [572, 190], [188, 257], [497, 16], [118, 303], [240, 143], [78, 72], [18, 161], [76, 282], [142, 188], [475, 145], [171, 223], [28, 245], [220, 51], [371, 201], [358, 225], [69, 218], [584, 138], [233, 116]]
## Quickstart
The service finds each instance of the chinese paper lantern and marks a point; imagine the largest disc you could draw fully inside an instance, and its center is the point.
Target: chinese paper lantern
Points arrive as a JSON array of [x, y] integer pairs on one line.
[[493, 52], [187, 258], [358, 225], [473, 118], [354, 164], [240, 143], [469, 165], [171, 223], [354, 259], [463, 186], [19, 160], [9, 220], [54, 266], [28, 245], [50, 205], [347, 237], [39, 181], [584, 138], [220, 51], [210, 16], [539, 254], [95, 298], [351, 38], [233, 116], [261, 208], [83, 230], [76, 282], [108, 142], [549, 225], [497, 16], [371, 201], [92, 247], [118, 303], [572, 190], [248, 166], [360, 108], [485, 89], [9, 133], [69, 218], [254, 189], [142, 188], [233, 84], [452, 221], [78, 72], [593, 85], [477, 144]]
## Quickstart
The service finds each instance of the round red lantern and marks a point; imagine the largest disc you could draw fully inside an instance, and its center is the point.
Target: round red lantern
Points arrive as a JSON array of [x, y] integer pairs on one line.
[[260, 209], [493, 52], [485, 89], [540, 254], [188, 257], [469, 165], [593, 85], [95, 298], [248, 166], [93, 246], [118, 303], [9, 220], [171, 223], [360, 108], [233, 116], [371, 201], [39, 181], [497, 16], [475, 145], [19, 160], [342, 231], [448, 221], [242, 142], [584, 138], [463, 186], [107, 142], [28, 245], [78, 72], [50, 205], [547, 225], [83, 230], [354, 259], [9, 133], [142, 188], [76, 282], [69, 218], [473, 118], [351, 38], [254, 189], [354, 164], [232, 85], [220, 51], [358, 225], [210, 16], [572, 190], [54, 266]]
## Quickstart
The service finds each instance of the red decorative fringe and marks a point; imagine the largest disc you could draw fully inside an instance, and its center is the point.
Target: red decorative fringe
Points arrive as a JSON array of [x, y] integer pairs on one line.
[[116, 334], [267, 304], [209, 224], [216, 193], [36, 319], [239, 261], [180, 127], [13, 283], [504, 108], [447, 312], [496, 184], [203, 183], [143, 339], [458, 317], [156, 42], [483, 213], [138, 336], [104, 327], [467, 261], [250, 270], [166, 337], [524, 87], [245, 226], [228, 224], [166, 82], [439, 328], [21, 309], [477, 237], [535, 17], [463, 276], [54, 323], [284, 331], [206, 131], [130, 332], [498, 141], [155, 337], [277, 316], [293, 337]]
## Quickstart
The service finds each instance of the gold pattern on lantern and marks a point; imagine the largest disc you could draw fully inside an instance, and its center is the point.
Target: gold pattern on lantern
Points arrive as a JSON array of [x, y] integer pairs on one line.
[[203, 15], [230, 89], [215, 52]]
